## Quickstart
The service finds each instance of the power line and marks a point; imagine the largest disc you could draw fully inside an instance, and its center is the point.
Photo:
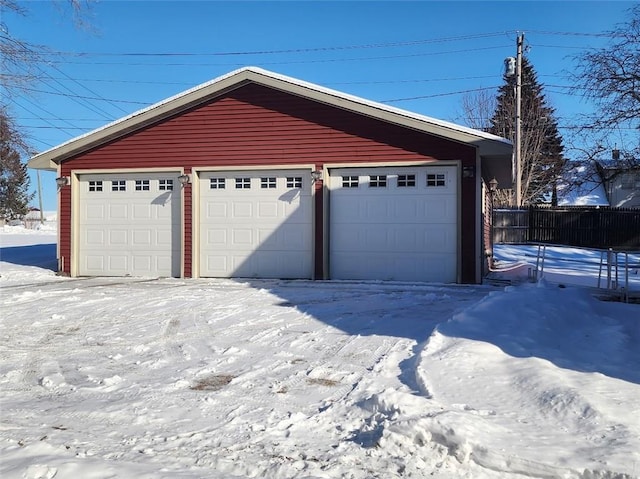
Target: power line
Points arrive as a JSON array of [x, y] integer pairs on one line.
[[395, 82], [575, 34], [289, 62], [289, 50], [68, 95], [41, 118], [331, 48], [78, 99], [538, 45], [89, 89], [439, 94]]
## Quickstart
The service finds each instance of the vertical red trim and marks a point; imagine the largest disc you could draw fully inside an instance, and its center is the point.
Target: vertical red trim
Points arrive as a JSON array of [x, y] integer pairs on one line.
[[187, 221], [64, 226]]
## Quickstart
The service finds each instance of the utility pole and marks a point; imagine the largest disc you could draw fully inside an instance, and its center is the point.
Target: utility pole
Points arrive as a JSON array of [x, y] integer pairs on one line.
[[518, 137], [40, 198]]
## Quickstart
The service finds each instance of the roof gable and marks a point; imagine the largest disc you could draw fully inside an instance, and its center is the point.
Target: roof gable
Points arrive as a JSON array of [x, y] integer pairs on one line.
[[490, 146]]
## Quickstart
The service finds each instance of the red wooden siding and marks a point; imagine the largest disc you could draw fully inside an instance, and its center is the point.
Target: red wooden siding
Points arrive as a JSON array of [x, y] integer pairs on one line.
[[64, 229], [318, 225], [255, 125], [188, 244]]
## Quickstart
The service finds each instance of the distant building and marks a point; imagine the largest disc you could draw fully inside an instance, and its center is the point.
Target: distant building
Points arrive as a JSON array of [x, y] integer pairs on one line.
[[583, 186], [622, 186]]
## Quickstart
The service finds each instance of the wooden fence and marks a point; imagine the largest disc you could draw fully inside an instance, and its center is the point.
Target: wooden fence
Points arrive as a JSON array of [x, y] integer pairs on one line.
[[587, 227], [510, 226]]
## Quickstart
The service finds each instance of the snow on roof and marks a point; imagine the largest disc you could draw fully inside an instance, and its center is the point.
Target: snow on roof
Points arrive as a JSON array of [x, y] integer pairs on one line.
[[587, 188]]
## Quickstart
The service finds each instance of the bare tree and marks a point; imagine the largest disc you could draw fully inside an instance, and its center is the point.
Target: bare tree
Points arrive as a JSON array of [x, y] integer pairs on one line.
[[610, 77], [478, 109], [20, 65], [20, 61]]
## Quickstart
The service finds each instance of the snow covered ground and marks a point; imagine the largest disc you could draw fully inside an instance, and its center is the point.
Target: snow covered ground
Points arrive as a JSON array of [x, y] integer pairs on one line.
[[171, 378]]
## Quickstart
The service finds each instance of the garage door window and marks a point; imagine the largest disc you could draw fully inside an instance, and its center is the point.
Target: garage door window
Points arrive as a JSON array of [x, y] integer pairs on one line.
[[243, 183], [294, 181], [406, 181], [142, 185], [436, 179], [95, 186], [118, 185], [377, 181], [216, 183], [267, 183], [165, 185], [349, 181]]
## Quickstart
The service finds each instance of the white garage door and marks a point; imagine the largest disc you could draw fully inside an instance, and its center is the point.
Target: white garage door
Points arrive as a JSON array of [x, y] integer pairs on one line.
[[256, 224], [129, 225], [394, 223]]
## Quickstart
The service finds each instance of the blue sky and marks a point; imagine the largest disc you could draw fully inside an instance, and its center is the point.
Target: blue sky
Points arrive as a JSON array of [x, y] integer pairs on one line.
[[421, 56]]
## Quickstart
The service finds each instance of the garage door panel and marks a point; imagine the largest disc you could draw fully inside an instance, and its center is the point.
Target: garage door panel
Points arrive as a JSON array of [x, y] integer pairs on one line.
[[94, 212], [163, 262], [262, 229], [409, 207], [407, 239], [162, 212], [300, 214], [377, 208], [268, 239], [267, 209], [242, 209], [217, 264], [439, 208], [439, 240], [95, 238], [116, 212], [141, 238], [216, 210], [117, 237], [394, 267], [118, 264], [164, 238], [95, 263], [142, 212], [126, 231], [404, 228], [216, 238], [143, 263], [294, 238], [242, 238]]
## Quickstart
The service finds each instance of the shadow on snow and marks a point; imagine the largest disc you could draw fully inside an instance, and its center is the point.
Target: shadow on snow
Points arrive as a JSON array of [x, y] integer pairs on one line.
[[40, 255]]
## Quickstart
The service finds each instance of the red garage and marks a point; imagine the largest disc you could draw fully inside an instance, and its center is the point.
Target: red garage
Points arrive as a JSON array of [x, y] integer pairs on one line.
[[259, 175]]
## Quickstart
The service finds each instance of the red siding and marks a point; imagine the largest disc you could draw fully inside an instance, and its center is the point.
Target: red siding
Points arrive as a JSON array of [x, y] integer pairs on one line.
[[64, 230], [255, 125], [188, 245], [318, 268]]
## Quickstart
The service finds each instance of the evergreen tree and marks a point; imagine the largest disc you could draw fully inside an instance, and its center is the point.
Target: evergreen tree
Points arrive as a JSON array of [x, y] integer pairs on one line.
[[541, 144], [14, 179]]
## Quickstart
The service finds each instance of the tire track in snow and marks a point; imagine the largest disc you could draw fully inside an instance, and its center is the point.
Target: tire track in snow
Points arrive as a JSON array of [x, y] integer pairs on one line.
[[287, 344]]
